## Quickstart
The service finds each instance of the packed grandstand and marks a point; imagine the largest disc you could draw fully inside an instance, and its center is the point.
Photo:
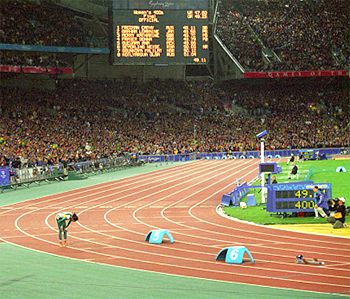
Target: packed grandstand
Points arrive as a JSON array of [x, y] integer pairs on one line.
[[82, 119]]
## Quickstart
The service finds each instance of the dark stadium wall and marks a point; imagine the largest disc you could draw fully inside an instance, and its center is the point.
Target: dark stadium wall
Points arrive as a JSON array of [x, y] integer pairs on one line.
[[98, 66], [42, 81]]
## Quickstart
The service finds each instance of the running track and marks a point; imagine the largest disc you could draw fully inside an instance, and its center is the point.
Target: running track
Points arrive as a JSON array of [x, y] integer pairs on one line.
[[115, 218]]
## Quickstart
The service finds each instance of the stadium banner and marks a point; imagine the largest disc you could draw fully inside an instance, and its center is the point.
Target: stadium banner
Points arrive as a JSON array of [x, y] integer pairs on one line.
[[297, 74], [160, 4], [10, 69], [34, 70], [269, 154], [31, 48], [43, 70]]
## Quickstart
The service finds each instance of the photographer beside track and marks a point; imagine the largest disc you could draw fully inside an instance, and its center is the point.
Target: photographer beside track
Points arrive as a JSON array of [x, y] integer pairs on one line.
[[338, 218]]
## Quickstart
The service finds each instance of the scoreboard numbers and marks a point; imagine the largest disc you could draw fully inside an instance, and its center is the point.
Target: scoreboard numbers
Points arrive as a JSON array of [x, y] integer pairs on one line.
[[303, 205], [294, 197], [168, 35], [304, 193], [299, 205]]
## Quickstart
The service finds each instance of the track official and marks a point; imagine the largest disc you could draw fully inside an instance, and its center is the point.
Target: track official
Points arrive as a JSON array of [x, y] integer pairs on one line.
[[321, 203]]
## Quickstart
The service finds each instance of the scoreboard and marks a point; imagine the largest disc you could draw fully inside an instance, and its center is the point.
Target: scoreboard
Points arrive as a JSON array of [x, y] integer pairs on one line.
[[294, 197], [308, 154], [271, 167], [160, 33]]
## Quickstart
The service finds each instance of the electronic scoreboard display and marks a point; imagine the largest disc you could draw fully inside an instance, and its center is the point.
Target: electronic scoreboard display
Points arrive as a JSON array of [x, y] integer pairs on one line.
[[294, 197], [308, 154], [267, 167], [271, 167], [160, 32]]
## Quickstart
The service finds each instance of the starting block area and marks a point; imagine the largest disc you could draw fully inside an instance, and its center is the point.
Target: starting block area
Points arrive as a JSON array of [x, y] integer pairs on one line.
[[234, 255], [156, 236]]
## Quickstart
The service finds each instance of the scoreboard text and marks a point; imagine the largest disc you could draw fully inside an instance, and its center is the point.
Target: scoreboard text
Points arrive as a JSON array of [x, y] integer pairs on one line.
[[157, 36]]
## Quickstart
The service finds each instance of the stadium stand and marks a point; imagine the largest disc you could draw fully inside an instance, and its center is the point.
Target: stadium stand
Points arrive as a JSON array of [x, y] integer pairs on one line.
[[84, 120], [28, 23], [289, 34]]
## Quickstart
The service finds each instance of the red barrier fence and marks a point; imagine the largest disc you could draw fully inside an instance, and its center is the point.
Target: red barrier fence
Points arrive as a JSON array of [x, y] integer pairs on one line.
[[34, 69], [297, 74]]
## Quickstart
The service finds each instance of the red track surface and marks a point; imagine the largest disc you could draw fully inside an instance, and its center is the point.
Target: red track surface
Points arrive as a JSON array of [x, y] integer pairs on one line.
[[115, 218]]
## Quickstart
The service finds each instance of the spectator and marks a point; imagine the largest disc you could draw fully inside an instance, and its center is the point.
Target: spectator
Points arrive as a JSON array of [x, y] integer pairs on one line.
[[16, 163]]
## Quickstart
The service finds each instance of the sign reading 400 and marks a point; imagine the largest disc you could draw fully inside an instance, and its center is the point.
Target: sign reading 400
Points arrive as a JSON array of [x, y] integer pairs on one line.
[[291, 204]]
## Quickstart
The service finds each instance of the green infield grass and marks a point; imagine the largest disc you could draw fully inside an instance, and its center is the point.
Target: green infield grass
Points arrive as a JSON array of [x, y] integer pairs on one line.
[[317, 171]]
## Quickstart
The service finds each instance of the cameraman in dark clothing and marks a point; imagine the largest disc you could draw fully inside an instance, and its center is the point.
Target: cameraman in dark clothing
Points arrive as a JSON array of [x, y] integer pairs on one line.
[[16, 163], [338, 219], [294, 172], [291, 159]]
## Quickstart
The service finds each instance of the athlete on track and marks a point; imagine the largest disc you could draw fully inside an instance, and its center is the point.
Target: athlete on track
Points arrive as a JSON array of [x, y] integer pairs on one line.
[[63, 220]]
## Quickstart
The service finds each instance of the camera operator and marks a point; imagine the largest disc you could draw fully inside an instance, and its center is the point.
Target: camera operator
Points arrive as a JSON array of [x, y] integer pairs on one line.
[[333, 204], [338, 218]]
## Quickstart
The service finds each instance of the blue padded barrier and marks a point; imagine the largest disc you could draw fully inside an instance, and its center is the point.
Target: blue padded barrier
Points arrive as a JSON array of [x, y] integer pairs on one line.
[[227, 200], [239, 192], [251, 201]]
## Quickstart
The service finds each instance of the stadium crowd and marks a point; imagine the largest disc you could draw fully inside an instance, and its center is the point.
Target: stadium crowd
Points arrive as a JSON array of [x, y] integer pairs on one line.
[[234, 31], [43, 59], [27, 23], [83, 120], [305, 35]]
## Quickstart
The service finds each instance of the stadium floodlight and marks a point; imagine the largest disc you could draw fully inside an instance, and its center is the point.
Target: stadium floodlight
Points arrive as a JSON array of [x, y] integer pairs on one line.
[[261, 134]]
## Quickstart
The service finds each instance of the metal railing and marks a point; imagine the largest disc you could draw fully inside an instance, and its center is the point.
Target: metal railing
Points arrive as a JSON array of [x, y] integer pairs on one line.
[[26, 176]]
